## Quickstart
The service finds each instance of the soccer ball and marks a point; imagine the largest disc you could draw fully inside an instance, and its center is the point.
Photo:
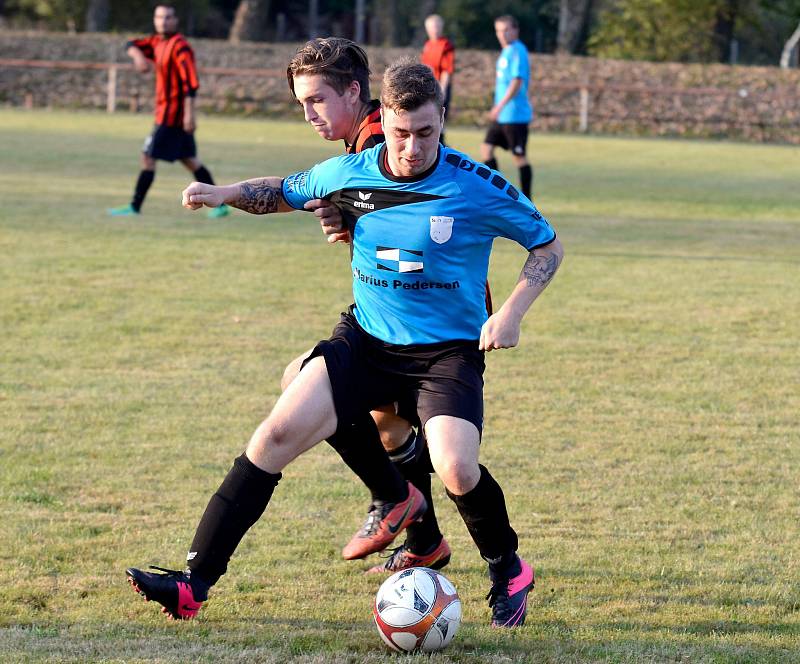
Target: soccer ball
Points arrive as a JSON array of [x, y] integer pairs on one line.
[[417, 609]]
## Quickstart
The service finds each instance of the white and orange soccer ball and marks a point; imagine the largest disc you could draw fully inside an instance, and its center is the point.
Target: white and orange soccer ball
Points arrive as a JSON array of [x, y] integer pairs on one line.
[[417, 609]]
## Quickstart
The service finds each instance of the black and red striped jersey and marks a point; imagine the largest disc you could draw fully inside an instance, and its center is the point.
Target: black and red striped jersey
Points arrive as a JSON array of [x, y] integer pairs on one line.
[[176, 75], [370, 131]]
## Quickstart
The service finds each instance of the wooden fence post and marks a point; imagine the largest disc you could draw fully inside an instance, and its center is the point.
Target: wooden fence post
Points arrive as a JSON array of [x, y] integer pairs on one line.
[[583, 118], [111, 93]]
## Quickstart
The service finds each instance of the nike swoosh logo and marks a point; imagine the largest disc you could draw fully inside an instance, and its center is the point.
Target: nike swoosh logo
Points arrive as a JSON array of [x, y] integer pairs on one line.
[[394, 528], [186, 607]]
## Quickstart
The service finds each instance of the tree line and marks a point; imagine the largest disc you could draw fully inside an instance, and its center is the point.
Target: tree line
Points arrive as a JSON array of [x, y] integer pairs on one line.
[[731, 31]]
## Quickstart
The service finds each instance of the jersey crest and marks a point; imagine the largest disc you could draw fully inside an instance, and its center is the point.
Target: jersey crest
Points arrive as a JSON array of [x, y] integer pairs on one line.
[[441, 229]]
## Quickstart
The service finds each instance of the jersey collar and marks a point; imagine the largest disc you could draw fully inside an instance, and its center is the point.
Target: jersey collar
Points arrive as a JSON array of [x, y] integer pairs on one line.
[[385, 172]]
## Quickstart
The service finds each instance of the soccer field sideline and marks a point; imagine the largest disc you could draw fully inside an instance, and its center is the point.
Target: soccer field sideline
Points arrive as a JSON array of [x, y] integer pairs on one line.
[[645, 430]]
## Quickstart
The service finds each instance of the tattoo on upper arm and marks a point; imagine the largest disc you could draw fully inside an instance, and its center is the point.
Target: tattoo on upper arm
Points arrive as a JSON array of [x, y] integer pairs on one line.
[[258, 198], [539, 269]]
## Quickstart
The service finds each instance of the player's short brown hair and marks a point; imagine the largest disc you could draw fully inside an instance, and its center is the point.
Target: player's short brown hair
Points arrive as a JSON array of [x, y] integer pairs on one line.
[[408, 85], [339, 62]]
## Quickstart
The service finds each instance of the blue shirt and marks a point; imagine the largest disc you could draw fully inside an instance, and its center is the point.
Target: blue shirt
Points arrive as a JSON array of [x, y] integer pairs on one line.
[[513, 63], [421, 245]]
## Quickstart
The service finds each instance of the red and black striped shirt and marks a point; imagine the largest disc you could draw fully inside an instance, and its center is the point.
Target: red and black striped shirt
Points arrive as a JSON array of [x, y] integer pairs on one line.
[[176, 75], [370, 131]]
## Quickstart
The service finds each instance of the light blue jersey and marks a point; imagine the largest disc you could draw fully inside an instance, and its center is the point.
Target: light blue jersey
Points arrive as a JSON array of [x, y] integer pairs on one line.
[[513, 63], [421, 245]]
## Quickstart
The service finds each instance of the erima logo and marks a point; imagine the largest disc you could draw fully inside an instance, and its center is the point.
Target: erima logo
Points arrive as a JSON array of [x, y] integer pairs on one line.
[[362, 204]]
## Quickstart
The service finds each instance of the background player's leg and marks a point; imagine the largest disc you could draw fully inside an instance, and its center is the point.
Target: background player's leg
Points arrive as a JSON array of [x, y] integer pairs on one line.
[[525, 174], [202, 174], [487, 155], [146, 176]]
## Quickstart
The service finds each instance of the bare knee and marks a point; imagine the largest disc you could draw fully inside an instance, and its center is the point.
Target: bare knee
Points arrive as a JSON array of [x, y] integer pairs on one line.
[[147, 162], [458, 476], [487, 151]]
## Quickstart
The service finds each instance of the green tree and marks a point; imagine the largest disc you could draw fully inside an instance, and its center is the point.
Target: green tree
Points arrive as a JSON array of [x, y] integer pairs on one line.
[[660, 30]]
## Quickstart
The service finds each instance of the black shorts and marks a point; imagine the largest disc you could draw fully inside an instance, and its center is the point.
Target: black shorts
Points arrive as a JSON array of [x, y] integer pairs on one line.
[[169, 144], [435, 379], [512, 137]]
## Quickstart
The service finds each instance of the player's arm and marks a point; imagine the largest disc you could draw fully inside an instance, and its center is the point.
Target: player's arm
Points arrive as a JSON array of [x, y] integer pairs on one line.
[[256, 196], [502, 329], [513, 88], [189, 122], [187, 71], [141, 52]]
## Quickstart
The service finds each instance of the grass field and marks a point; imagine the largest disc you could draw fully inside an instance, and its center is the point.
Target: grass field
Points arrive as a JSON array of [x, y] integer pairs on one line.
[[645, 431]]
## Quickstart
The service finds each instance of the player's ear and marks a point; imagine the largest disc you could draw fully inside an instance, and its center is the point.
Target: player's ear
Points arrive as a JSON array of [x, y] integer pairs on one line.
[[354, 90]]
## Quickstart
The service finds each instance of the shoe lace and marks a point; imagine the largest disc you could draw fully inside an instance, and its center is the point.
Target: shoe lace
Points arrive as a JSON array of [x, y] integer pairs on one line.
[[395, 557], [168, 572], [499, 600], [374, 517]]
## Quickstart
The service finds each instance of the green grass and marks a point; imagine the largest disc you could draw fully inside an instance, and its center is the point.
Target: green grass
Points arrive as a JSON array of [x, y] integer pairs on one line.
[[645, 431]]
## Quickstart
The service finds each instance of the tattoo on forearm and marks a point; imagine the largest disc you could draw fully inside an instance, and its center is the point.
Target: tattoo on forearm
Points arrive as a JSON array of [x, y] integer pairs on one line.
[[258, 198], [539, 269]]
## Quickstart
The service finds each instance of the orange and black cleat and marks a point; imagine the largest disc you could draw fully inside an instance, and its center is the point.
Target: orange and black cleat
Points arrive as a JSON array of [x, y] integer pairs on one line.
[[384, 523]]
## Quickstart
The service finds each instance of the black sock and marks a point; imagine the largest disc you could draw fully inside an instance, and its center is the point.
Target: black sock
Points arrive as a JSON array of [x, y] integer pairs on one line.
[[484, 512], [202, 175], [238, 503], [413, 462], [526, 179], [491, 163], [143, 183], [360, 447]]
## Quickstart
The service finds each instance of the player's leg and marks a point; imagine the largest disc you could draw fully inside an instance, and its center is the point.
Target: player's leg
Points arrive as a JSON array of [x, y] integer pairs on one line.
[[495, 138], [424, 546], [303, 416], [147, 174], [450, 406], [518, 139], [358, 443], [359, 446], [454, 445], [188, 157]]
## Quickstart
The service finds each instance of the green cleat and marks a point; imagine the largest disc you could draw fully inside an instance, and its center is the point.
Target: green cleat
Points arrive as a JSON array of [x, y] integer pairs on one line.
[[217, 212], [123, 211]]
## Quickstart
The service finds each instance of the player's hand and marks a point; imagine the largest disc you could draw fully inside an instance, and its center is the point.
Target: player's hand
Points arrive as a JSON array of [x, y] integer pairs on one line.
[[198, 194], [330, 220], [501, 330], [141, 64], [189, 124]]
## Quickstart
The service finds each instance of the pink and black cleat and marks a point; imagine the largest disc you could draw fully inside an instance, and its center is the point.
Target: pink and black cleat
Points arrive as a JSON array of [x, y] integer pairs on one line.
[[509, 597], [172, 590]]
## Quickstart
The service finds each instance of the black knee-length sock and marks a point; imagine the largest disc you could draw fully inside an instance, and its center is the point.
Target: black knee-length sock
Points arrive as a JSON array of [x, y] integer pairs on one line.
[[143, 183], [359, 445], [484, 512], [202, 175], [413, 462], [238, 503], [526, 179]]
